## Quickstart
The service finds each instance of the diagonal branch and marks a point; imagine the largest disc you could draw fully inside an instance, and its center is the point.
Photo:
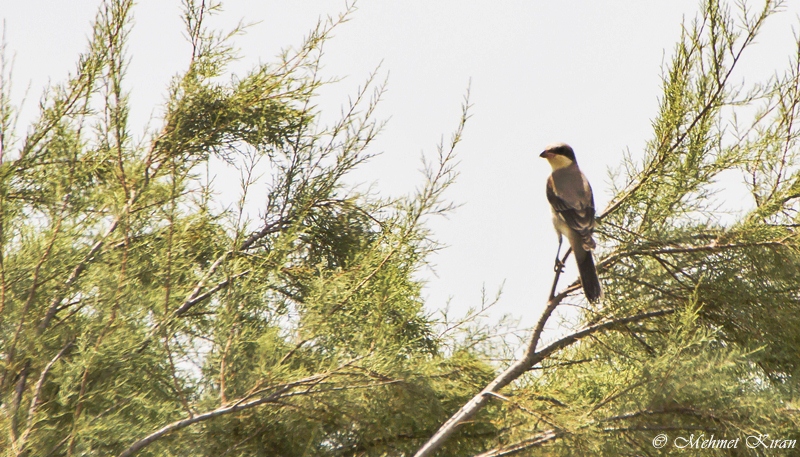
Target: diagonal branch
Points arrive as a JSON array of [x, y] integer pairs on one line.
[[38, 391], [683, 249], [607, 325], [715, 101], [511, 373], [524, 445], [221, 411], [55, 304], [196, 298], [555, 433], [287, 390], [531, 358]]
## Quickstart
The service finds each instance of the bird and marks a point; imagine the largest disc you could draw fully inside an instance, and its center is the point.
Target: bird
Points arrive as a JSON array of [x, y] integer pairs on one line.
[[572, 205]]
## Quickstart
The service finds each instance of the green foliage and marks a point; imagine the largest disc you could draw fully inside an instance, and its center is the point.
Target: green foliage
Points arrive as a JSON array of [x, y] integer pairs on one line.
[[138, 316], [723, 360]]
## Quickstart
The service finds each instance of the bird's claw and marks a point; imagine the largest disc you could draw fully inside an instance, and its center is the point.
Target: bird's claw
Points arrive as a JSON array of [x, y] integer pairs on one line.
[[559, 266]]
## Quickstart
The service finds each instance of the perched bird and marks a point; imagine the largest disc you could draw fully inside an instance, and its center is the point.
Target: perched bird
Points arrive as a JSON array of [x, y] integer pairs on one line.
[[572, 204]]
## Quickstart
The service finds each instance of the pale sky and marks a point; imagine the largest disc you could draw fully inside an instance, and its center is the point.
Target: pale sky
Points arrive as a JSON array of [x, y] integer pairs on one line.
[[584, 72]]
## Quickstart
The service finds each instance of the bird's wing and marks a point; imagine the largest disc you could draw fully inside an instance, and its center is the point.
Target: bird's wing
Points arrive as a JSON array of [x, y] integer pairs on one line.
[[578, 218]]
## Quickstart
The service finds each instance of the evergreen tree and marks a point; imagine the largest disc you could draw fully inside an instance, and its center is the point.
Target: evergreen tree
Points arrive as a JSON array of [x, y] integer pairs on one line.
[[699, 332], [139, 317]]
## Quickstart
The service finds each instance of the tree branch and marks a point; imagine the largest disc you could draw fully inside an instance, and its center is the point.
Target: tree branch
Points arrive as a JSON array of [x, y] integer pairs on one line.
[[610, 324], [246, 402], [536, 441], [531, 358], [715, 101], [511, 373], [221, 411], [38, 392], [711, 247]]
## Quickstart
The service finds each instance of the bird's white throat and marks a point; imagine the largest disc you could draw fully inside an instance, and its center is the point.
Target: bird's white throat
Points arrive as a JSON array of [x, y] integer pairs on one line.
[[558, 162]]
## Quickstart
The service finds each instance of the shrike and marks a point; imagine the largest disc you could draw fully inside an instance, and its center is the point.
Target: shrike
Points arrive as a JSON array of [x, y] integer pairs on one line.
[[572, 205]]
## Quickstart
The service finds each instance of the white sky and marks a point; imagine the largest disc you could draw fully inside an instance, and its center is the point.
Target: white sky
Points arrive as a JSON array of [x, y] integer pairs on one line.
[[584, 72]]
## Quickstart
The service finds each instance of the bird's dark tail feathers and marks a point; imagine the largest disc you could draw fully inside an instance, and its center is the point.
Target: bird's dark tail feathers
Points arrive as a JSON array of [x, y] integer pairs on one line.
[[589, 280]]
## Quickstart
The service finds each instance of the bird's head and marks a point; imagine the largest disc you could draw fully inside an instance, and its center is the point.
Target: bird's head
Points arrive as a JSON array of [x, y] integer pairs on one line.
[[558, 155]]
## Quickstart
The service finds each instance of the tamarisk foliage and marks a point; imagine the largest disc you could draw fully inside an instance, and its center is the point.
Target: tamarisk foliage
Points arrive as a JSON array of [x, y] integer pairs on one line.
[[141, 316], [699, 331]]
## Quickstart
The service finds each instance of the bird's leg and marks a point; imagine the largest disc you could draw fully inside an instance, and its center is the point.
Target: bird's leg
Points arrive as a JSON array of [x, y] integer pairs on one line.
[[559, 270], [559, 266], [564, 259]]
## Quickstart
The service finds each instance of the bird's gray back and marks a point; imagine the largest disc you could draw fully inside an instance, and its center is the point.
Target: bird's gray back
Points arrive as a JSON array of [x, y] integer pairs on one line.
[[578, 197]]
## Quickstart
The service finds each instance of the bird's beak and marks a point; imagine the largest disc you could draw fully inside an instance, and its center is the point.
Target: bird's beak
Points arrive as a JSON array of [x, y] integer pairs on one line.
[[544, 154]]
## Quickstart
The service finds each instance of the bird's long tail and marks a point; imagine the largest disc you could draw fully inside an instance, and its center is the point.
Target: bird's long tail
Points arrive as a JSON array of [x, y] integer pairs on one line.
[[589, 279]]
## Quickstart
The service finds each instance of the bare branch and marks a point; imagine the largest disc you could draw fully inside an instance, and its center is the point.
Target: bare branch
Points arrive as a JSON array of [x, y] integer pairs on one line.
[[610, 324], [531, 358], [536, 441], [283, 391], [511, 373], [224, 410]]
